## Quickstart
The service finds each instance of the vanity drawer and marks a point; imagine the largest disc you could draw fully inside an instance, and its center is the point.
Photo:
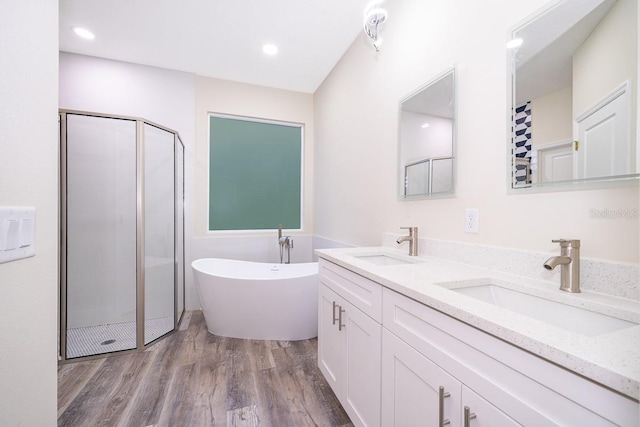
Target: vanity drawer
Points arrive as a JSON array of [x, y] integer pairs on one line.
[[363, 293]]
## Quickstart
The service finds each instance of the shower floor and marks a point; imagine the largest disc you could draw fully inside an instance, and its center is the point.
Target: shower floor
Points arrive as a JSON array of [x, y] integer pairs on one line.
[[108, 338]]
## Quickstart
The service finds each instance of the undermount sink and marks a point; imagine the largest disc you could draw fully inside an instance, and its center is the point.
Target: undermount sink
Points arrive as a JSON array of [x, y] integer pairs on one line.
[[382, 259], [565, 316]]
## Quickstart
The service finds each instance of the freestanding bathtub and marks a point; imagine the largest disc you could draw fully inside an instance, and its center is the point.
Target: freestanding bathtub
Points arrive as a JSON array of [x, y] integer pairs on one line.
[[242, 299]]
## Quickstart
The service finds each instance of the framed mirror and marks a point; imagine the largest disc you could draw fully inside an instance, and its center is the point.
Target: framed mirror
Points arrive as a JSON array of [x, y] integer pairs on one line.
[[573, 112], [426, 142]]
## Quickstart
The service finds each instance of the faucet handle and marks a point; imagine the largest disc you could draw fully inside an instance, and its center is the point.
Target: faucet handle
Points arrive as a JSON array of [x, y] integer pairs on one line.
[[412, 230], [574, 243]]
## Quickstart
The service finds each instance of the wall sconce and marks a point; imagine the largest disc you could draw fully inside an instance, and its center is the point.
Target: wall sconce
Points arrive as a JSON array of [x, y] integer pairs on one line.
[[374, 16]]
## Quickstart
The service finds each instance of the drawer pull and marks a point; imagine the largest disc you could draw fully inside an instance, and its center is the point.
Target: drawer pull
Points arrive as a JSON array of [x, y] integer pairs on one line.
[[340, 325], [468, 416], [441, 396], [334, 312]]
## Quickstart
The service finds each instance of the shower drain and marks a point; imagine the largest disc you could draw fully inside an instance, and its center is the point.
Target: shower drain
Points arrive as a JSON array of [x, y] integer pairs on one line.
[[107, 342]]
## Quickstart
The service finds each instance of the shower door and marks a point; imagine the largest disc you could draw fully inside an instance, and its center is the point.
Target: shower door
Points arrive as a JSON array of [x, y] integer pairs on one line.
[[159, 232], [122, 218], [179, 227], [100, 222]]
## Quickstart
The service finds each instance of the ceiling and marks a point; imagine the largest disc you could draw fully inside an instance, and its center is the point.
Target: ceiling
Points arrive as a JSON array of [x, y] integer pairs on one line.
[[544, 62], [219, 38], [435, 99]]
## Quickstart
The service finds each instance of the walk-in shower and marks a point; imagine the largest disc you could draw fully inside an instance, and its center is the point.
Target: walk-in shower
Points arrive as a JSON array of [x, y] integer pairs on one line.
[[122, 233]]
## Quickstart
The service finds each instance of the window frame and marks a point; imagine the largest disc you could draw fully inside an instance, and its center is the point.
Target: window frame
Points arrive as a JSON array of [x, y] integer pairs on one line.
[[300, 126]]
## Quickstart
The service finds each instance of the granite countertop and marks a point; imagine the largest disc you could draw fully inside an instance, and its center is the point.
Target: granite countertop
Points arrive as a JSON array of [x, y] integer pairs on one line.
[[611, 359]]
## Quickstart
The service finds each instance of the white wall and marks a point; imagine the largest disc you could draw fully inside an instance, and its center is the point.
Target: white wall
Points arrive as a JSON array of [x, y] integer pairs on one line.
[[102, 85], [551, 118], [29, 177], [356, 137]]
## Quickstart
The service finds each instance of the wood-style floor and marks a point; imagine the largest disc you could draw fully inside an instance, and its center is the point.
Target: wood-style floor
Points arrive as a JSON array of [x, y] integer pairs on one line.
[[194, 378]]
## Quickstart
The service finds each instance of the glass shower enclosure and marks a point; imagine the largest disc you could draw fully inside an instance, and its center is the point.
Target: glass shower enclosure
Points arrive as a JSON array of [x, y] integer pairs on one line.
[[122, 239]]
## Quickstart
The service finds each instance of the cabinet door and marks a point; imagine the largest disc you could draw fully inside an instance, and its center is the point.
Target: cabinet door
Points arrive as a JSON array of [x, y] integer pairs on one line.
[[483, 413], [362, 387], [330, 340], [411, 388]]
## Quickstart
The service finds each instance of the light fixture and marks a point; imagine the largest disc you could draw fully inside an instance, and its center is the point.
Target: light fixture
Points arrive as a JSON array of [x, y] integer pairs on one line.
[[84, 33], [513, 43], [270, 49], [374, 16], [424, 125]]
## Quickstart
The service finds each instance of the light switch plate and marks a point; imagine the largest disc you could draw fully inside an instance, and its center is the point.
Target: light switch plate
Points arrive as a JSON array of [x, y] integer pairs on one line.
[[10, 237], [17, 232]]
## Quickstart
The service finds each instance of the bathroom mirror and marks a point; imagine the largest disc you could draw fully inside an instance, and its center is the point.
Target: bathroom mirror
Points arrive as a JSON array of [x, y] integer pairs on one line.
[[573, 112], [426, 149]]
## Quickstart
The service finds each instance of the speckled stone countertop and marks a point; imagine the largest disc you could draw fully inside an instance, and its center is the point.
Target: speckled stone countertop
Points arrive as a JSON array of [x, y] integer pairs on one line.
[[611, 359]]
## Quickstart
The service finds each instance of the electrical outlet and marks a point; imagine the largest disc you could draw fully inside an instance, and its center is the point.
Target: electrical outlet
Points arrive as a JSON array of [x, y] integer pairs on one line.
[[471, 218]]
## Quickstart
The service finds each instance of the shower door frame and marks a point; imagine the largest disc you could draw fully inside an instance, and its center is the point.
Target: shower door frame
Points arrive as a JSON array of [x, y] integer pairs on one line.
[[179, 254]]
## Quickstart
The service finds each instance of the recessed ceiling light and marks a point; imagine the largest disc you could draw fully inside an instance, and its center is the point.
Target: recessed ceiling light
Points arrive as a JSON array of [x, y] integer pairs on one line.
[[424, 125], [270, 49], [513, 43], [84, 33]]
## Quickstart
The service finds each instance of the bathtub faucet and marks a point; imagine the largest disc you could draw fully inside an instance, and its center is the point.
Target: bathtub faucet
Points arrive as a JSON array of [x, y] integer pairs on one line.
[[286, 243]]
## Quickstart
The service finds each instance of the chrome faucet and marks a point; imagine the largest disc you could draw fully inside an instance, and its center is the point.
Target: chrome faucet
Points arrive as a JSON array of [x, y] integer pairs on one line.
[[286, 243], [412, 238], [569, 260]]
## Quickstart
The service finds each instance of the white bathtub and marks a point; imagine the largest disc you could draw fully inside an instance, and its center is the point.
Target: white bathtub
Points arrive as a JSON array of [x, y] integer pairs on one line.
[[242, 299]]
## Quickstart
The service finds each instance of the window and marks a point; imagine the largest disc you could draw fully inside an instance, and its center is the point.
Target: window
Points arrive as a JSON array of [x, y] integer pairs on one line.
[[255, 174]]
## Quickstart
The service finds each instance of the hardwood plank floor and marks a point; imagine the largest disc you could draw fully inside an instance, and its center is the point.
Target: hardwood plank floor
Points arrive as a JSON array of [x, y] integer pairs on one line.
[[194, 378]]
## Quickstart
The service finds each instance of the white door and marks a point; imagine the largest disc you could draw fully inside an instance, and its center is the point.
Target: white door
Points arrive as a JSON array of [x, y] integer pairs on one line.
[[604, 142], [411, 388], [331, 343], [362, 392], [555, 162]]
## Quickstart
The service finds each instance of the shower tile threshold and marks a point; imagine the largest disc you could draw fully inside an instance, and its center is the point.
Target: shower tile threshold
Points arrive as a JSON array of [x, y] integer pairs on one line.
[[100, 339]]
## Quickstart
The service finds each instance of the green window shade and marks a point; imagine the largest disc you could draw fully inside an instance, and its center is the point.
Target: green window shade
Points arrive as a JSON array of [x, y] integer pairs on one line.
[[255, 175]]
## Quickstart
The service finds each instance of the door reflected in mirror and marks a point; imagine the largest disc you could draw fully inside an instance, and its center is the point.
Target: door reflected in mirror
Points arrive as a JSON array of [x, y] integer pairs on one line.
[[427, 140], [574, 97]]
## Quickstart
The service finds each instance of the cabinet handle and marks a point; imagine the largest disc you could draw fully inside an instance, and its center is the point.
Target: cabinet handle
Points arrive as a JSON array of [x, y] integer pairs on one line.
[[334, 312], [468, 416], [340, 325], [441, 395]]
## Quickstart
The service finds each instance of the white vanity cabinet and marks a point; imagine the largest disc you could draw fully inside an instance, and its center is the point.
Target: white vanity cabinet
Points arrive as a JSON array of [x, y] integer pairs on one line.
[[349, 341], [417, 392], [386, 356], [501, 384]]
